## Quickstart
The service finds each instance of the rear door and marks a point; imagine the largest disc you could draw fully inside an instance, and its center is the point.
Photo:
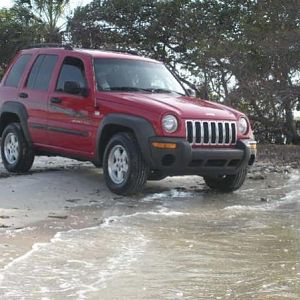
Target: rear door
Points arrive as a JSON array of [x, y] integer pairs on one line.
[[70, 116], [13, 77], [34, 94]]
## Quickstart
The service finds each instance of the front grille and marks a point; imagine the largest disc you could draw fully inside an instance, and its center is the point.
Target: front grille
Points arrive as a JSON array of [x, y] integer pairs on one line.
[[211, 132]]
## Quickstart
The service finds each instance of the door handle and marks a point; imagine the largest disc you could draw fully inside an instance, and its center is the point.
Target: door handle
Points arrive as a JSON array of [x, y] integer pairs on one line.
[[56, 100], [23, 95]]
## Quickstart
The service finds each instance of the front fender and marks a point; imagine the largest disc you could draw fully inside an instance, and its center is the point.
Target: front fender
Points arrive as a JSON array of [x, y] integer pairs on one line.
[[142, 129]]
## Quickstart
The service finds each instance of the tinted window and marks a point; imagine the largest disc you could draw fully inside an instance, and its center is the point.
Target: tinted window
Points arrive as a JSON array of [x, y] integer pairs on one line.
[[17, 70], [41, 72], [72, 70]]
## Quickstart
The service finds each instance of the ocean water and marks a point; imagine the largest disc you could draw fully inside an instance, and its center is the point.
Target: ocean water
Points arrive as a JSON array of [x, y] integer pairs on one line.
[[176, 244]]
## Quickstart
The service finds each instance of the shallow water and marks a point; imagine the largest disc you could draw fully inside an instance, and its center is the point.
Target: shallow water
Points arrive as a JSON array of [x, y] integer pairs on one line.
[[175, 244]]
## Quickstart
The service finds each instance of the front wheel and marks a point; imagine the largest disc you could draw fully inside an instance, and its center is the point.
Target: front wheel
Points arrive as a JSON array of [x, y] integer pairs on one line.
[[17, 154], [227, 183], [124, 168]]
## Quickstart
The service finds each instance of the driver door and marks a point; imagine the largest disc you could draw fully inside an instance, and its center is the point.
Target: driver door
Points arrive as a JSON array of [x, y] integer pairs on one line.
[[70, 114]]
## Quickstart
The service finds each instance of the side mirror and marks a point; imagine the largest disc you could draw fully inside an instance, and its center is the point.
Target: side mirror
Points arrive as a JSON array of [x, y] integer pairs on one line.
[[191, 92], [73, 87]]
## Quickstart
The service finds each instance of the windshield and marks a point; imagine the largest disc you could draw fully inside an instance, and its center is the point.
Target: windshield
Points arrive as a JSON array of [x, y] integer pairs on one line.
[[133, 75]]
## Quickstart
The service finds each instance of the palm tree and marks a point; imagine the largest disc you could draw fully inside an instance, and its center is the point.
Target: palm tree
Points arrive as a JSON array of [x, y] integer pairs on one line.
[[50, 14]]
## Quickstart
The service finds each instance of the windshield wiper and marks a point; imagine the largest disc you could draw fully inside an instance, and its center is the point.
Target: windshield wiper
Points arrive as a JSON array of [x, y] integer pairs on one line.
[[128, 89], [137, 89], [164, 91]]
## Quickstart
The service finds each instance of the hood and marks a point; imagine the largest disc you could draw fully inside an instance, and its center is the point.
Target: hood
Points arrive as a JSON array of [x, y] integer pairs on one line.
[[185, 107]]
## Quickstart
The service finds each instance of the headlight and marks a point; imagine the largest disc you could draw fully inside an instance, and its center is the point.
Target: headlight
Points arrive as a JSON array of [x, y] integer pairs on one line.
[[169, 123], [243, 125]]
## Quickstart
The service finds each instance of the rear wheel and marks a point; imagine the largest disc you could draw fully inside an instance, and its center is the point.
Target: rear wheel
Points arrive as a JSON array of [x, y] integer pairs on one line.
[[227, 183], [124, 167], [17, 154]]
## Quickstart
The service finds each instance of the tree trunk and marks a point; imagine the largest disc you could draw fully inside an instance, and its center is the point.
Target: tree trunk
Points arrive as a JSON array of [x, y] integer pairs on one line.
[[290, 128]]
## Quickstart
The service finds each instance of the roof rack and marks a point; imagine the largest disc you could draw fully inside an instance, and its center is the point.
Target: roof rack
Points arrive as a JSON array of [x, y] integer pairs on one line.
[[50, 45], [132, 52]]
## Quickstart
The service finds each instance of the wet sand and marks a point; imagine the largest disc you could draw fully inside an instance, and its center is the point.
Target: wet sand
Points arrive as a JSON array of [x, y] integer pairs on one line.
[[68, 236]]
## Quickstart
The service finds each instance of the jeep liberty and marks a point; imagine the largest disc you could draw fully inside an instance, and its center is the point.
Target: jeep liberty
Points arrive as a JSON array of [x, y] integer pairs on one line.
[[125, 113]]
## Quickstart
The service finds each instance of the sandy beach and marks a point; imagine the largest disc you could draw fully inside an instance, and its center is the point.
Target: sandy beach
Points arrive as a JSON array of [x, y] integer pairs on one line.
[[61, 197], [55, 185]]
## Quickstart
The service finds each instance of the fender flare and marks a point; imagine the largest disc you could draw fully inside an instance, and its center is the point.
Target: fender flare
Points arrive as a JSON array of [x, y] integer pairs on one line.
[[20, 110], [142, 129]]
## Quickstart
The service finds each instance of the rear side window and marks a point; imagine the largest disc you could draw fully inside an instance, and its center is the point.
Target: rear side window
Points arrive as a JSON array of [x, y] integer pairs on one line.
[[72, 70], [41, 72], [17, 70]]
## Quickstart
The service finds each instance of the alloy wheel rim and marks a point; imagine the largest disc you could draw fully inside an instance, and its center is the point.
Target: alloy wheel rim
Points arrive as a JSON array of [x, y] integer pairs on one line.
[[11, 148], [118, 164]]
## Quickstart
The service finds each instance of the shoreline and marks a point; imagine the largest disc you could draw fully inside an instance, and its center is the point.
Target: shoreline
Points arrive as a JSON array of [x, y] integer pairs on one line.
[[271, 158], [278, 155], [37, 206], [55, 186]]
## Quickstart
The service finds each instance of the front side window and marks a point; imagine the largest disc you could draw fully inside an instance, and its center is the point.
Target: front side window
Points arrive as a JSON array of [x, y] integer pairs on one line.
[[135, 75], [17, 70], [72, 71], [41, 72]]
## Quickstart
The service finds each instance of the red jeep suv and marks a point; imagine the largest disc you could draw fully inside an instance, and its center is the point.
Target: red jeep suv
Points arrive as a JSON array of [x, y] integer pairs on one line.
[[123, 112]]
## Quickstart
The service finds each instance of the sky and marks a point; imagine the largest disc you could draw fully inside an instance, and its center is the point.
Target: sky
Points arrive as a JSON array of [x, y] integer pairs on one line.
[[73, 3]]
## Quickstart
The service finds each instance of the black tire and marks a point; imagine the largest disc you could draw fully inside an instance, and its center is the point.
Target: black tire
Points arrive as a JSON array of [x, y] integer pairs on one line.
[[23, 162], [137, 169], [227, 183], [156, 175]]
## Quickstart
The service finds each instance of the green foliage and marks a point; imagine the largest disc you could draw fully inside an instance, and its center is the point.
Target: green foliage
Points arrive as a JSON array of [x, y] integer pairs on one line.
[[244, 53], [267, 67], [29, 22], [48, 13], [17, 29]]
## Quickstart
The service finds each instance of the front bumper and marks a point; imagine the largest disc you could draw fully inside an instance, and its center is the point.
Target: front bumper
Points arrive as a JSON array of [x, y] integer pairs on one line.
[[185, 160]]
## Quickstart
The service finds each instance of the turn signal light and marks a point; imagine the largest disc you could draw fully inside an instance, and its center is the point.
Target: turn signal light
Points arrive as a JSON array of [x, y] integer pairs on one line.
[[252, 146], [164, 145]]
